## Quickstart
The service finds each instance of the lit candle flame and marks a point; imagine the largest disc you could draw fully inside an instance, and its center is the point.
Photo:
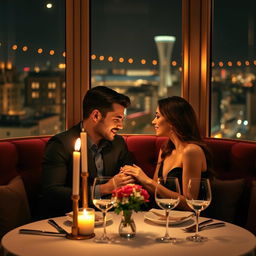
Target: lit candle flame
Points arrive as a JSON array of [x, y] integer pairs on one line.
[[78, 144], [85, 212]]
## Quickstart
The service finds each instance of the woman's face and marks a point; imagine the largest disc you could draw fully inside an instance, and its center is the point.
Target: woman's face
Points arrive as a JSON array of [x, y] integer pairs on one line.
[[162, 127]]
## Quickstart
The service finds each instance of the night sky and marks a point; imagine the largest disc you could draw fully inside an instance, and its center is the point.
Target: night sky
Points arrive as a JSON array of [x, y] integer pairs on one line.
[[119, 28]]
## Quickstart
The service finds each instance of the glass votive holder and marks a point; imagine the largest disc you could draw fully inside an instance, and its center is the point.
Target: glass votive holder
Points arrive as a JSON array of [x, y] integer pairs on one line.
[[86, 219]]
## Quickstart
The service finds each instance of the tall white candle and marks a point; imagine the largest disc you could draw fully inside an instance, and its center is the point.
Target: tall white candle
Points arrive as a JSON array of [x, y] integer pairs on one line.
[[76, 167], [83, 136]]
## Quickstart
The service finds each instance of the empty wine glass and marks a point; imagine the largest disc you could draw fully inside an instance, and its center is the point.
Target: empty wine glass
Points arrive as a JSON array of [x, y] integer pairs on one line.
[[167, 200], [103, 202], [198, 198]]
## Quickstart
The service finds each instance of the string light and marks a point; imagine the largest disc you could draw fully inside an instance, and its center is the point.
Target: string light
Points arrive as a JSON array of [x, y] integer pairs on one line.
[[154, 62], [24, 48], [101, 58], [121, 60], [130, 60], [239, 63], [143, 61], [15, 47]]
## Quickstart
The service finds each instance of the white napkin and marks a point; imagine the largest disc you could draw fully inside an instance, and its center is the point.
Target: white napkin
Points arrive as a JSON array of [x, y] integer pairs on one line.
[[174, 215]]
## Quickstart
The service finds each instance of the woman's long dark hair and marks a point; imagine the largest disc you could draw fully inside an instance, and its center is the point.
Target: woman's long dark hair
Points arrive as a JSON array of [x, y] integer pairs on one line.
[[182, 118]]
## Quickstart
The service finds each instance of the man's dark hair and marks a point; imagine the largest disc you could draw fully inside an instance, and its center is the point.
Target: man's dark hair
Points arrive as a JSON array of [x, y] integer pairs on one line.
[[102, 98]]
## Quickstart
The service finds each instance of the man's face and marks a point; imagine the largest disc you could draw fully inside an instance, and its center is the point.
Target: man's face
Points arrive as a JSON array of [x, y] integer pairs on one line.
[[108, 126]]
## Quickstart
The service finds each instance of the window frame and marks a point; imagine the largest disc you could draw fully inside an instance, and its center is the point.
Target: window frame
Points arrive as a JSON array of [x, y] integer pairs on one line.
[[196, 58]]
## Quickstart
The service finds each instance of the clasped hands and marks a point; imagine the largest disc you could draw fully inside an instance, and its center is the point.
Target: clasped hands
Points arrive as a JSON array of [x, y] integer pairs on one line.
[[128, 174], [135, 172]]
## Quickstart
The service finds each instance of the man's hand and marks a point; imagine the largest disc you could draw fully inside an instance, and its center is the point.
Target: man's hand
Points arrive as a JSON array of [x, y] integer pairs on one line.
[[122, 179], [136, 172]]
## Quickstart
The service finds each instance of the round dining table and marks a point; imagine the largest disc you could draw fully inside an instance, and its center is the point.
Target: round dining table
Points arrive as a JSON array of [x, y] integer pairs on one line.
[[230, 240]]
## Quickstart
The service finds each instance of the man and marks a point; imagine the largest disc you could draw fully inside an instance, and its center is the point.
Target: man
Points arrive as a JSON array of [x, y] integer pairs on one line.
[[103, 115]]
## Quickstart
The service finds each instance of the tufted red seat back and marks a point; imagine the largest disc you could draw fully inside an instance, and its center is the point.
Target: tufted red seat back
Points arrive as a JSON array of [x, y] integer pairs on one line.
[[231, 159], [23, 157]]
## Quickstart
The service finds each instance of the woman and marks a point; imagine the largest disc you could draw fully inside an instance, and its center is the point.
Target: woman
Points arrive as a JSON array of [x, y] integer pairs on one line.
[[184, 155]]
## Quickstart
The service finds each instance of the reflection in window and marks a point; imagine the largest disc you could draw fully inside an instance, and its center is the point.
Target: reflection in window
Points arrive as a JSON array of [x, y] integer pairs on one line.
[[136, 50], [233, 93], [32, 43]]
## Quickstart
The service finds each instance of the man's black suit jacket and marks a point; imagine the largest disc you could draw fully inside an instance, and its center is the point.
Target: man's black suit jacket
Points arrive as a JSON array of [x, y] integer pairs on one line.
[[55, 197]]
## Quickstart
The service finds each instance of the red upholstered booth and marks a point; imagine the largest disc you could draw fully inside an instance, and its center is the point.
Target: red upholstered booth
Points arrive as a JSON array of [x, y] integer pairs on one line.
[[233, 161]]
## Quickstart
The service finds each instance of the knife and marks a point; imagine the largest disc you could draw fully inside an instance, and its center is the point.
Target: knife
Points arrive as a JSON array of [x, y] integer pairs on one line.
[[213, 225], [56, 225], [40, 232], [207, 226]]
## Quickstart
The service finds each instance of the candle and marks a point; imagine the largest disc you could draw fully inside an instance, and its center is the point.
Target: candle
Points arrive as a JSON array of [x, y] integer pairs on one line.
[[83, 136], [86, 221], [76, 167]]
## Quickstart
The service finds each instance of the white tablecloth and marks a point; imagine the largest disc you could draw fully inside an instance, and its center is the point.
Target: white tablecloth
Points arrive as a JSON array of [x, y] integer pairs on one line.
[[229, 240]]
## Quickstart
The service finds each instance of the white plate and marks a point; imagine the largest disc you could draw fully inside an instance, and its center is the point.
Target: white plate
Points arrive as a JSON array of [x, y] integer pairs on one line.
[[175, 218], [98, 217]]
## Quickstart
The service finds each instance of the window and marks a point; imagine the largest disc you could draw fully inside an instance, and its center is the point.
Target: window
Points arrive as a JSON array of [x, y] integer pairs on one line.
[[136, 50], [35, 85], [32, 61], [35, 95], [233, 92], [51, 95], [51, 85]]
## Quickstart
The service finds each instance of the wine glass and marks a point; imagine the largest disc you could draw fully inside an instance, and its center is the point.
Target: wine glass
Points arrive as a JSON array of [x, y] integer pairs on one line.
[[103, 202], [198, 198], [167, 196]]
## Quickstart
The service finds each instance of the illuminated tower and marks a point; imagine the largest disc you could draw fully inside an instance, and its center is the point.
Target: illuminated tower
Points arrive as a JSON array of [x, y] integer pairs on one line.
[[164, 48]]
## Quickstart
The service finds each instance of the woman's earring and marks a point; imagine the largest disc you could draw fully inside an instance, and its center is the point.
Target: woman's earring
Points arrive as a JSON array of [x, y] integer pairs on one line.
[[171, 129]]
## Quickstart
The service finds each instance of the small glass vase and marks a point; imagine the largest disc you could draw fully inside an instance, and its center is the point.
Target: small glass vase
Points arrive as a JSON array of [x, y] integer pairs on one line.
[[127, 227]]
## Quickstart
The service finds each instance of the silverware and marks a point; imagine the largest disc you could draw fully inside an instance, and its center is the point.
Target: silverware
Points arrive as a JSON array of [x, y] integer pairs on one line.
[[213, 225], [40, 232], [208, 226], [193, 227], [57, 226]]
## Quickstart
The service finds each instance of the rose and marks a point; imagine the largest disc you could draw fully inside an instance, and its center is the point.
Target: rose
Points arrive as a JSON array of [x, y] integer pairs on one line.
[[129, 197]]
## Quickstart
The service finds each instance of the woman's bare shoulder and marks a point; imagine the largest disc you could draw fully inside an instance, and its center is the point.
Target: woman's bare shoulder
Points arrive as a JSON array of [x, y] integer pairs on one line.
[[193, 150]]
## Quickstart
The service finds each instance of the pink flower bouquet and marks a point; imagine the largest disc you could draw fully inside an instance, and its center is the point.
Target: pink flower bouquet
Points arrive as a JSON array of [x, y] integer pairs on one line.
[[130, 198]]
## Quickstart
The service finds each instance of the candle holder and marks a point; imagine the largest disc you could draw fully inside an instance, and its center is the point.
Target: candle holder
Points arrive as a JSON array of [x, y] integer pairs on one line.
[[74, 235], [84, 176]]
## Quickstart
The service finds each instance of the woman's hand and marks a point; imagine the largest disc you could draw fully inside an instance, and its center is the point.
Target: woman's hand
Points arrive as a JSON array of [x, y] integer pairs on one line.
[[120, 180], [136, 172]]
